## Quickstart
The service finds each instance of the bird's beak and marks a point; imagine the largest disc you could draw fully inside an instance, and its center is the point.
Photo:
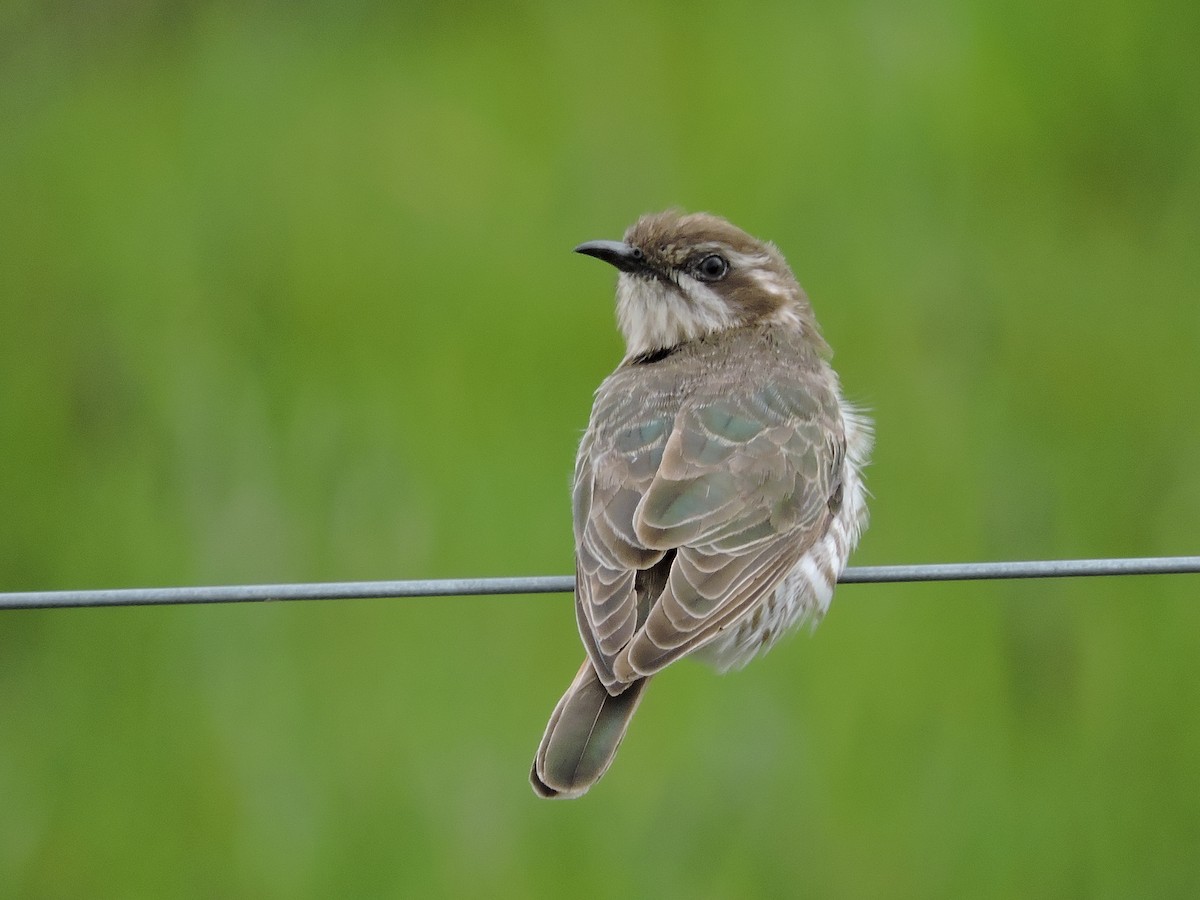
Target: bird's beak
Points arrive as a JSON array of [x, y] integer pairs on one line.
[[616, 253]]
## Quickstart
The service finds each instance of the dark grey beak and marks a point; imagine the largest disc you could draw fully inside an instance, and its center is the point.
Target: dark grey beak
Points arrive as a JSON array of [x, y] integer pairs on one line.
[[615, 253]]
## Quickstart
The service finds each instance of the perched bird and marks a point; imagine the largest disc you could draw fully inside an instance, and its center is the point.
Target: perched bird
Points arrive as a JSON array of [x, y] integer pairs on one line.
[[718, 487]]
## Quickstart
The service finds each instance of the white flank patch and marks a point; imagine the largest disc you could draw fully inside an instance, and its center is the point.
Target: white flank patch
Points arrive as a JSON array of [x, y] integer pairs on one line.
[[820, 583]]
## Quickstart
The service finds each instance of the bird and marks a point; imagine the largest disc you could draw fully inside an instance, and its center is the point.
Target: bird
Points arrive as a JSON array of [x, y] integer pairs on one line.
[[718, 487]]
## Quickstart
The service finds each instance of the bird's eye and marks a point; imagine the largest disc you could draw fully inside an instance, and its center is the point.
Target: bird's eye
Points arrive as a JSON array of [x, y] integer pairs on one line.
[[712, 268]]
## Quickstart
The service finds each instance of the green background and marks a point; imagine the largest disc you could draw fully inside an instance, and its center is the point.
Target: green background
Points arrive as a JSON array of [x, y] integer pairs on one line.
[[286, 294]]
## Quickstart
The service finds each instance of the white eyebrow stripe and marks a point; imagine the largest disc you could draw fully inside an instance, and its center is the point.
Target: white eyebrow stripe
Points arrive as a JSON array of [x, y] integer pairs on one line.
[[753, 261], [769, 282]]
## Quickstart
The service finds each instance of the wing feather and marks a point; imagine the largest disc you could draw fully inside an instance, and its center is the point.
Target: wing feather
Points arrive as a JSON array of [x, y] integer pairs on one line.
[[718, 487]]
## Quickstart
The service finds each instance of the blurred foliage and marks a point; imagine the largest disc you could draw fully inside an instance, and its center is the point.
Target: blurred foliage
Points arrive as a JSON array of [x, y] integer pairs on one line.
[[286, 294]]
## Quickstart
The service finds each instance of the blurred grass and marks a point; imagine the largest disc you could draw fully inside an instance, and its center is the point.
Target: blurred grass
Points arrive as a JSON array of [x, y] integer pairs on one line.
[[287, 295]]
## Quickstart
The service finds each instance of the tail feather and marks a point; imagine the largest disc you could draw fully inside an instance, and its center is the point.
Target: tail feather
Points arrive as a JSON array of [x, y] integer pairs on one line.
[[583, 735]]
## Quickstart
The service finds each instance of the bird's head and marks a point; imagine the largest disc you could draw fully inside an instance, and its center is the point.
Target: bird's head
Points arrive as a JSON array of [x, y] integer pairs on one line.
[[683, 276]]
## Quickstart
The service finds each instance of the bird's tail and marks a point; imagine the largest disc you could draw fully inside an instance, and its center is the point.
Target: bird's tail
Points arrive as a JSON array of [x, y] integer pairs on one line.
[[583, 735]]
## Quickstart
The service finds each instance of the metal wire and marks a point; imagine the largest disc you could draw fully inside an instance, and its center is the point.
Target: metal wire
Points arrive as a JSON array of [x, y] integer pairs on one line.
[[555, 584]]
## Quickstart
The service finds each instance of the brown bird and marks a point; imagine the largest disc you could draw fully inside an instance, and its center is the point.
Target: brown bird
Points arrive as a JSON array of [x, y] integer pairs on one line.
[[718, 488]]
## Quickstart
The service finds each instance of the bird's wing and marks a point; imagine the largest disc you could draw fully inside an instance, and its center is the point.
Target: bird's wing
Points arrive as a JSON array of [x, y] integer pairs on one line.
[[731, 489], [616, 465]]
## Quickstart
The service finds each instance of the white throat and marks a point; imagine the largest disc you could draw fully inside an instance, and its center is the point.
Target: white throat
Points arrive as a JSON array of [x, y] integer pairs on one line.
[[653, 315]]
